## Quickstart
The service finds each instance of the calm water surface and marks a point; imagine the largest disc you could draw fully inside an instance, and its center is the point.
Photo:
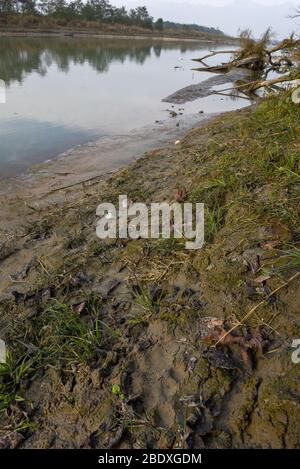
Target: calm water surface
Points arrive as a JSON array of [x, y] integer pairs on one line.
[[62, 92]]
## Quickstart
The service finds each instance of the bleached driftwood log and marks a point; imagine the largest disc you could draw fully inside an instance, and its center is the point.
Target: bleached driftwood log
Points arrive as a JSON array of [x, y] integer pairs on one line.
[[260, 59]]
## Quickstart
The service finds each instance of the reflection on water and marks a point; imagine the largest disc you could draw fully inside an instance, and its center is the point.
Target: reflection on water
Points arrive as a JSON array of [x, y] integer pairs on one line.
[[65, 91], [20, 57]]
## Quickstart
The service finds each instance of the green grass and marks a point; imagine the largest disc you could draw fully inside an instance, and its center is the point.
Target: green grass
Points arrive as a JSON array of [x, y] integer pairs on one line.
[[250, 46], [214, 219], [148, 306], [144, 300], [66, 338], [57, 337], [253, 166], [12, 372], [213, 193], [286, 261], [166, 247]]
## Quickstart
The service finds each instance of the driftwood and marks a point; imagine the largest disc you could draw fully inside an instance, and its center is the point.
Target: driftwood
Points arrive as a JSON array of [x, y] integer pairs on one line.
[[261, 60], [251, 87], [269, 83], [213, 53], [251, 63]]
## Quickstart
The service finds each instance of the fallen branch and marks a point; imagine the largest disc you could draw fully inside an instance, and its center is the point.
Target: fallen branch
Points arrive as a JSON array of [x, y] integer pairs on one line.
[[273, 81], [258, 57], [70, 186], [252, 63], [231, 95], [285, 44], [257, 84], [250, 313], [213, 53]]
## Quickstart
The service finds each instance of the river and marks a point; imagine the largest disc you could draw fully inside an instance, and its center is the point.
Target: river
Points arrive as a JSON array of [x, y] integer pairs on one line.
[[63, 92]]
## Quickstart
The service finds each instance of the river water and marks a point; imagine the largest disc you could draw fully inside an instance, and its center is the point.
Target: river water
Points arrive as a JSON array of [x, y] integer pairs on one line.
[[63, 92]]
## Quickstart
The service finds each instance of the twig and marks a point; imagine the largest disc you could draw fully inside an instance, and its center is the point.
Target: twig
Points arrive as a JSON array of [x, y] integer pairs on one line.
[[213, 53], [255, 85], [231, 95], [72, 185], [240, 323]]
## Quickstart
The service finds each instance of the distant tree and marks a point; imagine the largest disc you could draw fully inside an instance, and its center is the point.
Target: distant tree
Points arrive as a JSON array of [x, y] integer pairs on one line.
[[97, 10], [90, 10], [102, 9], [297, 13], [75, 8], [52, 7], [120, 15], [141, 17], [27, 6], [159, 24], [59, 8], [7, 6], [17, 6]]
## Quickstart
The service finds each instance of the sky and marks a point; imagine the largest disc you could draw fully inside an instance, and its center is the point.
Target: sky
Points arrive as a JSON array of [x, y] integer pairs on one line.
[[229, 15]]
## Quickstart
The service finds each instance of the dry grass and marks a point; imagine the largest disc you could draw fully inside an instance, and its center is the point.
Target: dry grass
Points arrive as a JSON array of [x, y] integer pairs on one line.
[[250, 46]]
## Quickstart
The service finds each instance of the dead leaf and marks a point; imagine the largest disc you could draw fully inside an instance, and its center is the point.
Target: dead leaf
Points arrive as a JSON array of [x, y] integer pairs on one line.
[[181, 195], [79, 308], [271, 245], [253, 342], [262, 278]]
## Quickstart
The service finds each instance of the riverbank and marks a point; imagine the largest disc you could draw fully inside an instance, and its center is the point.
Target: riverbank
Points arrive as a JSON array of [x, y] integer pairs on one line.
[[50, 182], [113, 341], [125, 32]]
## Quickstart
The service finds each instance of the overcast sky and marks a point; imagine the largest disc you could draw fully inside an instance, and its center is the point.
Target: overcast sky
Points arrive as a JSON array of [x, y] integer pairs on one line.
[[228, 15]]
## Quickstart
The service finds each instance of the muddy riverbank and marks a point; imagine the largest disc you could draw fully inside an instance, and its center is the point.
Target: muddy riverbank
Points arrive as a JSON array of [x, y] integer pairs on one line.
[[117, 339], [68, 174]]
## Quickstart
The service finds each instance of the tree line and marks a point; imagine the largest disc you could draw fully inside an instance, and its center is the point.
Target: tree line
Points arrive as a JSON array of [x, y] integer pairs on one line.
[[88, 10]]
